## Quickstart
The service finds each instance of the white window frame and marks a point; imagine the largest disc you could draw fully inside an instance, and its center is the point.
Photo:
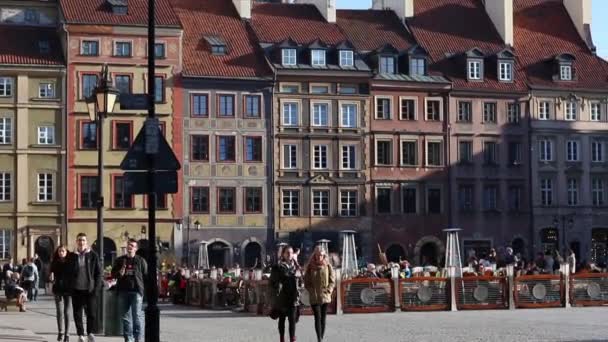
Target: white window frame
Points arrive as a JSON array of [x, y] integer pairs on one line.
[[570, 111], [121, 42], [513, 112], [487, 116], [427, 100], [390, 141], [441, 152], [595, 111], [347, 58], [289, 115], [505, 71], [320, 157], [346, 153], [317, 117], [6, 130], [474, 70], [6, 236], [289, 57], [46, 90], [6, 86], [545, 150], [597, 151], [318, 57], [289, 208], [543, 110], [346, 206], [346, 113], [390, 109], [572, 191], [46, 135], [318, 205], [546, 192], [381, 66], [565, 72], [597, 192], [402, 150], [45, 187], [401, 113], [572, 151], [6, 185], [290, 162], [464, 116], [415, 64]]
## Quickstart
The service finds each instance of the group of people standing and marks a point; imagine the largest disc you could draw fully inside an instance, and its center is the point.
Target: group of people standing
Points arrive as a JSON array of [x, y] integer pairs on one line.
[[25, 278], [319, 281]]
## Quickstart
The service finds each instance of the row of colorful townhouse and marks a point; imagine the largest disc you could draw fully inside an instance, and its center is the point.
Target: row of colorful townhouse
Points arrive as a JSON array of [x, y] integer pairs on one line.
[[296, 121]]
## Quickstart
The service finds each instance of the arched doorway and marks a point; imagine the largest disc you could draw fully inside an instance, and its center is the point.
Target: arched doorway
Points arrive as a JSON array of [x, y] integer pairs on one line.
[[395, 253], [218, 254], [109, 251], [549, 239], [519, 246], [253, 255], [428, 254], [599, 245], [44, 247]]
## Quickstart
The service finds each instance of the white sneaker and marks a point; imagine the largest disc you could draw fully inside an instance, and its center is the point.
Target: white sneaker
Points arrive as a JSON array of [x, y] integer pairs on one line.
[[91, 338], [82, 339]]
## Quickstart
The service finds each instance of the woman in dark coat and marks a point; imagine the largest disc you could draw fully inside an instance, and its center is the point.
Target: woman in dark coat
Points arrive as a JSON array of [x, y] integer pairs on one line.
[[284, 284], [60, 277]]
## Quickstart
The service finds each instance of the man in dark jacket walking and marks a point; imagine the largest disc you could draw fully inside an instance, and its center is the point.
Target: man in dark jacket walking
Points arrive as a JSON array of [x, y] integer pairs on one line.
[[86, 283], [130, 270]]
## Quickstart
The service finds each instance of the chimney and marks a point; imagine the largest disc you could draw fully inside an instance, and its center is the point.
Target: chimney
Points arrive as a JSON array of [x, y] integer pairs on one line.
[[243, 7], [403, 8], [326, 7], [580, 13], [501, 13]]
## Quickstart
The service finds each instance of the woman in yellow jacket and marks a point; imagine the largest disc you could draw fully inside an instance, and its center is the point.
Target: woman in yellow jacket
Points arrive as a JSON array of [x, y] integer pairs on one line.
[[319, 281]]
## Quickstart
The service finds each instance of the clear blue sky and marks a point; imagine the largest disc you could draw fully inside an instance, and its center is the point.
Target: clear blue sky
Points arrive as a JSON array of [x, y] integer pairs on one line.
[[599, 26]]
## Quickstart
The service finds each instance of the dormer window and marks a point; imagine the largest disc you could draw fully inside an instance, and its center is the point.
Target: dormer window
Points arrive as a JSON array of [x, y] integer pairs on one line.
[[474, 70], [563, 67], [505, 71], [317, 57], [387, 65], [475, 67], [565, 72], [289, 57], [347, 58], [119, 7], [44, 47], [218, 45], [417, 66]]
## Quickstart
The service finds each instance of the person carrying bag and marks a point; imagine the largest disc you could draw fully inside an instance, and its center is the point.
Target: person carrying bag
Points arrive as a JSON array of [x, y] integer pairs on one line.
[[319, 281], [285, 294]]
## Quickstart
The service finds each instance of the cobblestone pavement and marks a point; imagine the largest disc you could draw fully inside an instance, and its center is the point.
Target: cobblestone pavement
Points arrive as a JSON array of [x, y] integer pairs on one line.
[[181, 324]]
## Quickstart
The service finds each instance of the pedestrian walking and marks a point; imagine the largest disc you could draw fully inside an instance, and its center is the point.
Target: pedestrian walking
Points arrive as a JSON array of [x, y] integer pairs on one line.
[[85, 283], [571, 260], [286, 298], [60, 278], [319, 281], [30, 278], [130, 270], [41, 281]]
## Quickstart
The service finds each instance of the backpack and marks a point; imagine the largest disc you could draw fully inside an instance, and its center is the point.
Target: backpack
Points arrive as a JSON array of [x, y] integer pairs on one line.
[[28, 271]]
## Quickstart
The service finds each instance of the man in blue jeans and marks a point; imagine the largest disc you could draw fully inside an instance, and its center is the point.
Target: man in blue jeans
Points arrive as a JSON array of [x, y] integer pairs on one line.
[[130, 271]]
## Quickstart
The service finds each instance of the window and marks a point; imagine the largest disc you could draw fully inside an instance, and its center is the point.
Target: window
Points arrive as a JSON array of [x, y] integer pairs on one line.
[[474, 70], [6, 86], [383, 200], [348, 203], [571, 111], [253, 200], [123, 83], [565, 72], [5, 244], [226, 200], [319, 89], [290, 114], [383, 108], [290, 157], [597, 151], [348, 157], [88, 192], [122, 49], [408, 109], [597, 192], [513, 113], [489, 112], [6, 131], [253, 149], [543, 110], [490, 194], [434, 201], [253, 106], [219, 48], [89, 82], [433, 110], [409, 153], [464, 111], [320, 157], [200, 105], [595, 112], [384, 152], [122, 200], [465, 198], [159, 89], [289, 56], [514, 153], [226, 148], [417, 67], [200, 148], [490, 153], [90, 48], [88, 135], [465, 152], [291, 203], [545, 150], [31, 16], [546, 192], [46, 135], [346, 58], [572, 192], [434, 153], [290, 88], [159, 50], [347, 88], [387, 65], [45, 187], [348, 115], [320, 203], [46, 90], [226, 105], [320, 114], [199, 197], [122, 135], [5, 186], [318, 57], [410, 200], [514, 198], [505, 71], [572, 150]]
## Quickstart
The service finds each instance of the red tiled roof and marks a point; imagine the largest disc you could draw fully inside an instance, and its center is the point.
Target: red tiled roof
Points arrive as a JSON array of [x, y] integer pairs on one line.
[[217, 18], [21, 46], [453, 27], [100, 12], [370, 30], [274, 23], [538, 41]]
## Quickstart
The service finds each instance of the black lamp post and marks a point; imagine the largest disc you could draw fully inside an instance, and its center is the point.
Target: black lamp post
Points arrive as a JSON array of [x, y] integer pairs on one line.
[[566, 220], [99, 104]]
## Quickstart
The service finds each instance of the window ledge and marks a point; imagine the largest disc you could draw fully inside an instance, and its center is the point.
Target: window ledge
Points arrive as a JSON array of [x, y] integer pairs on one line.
[[49, 203], [121, 209], [45, 99], [86, 209], [491, 211], [45, 146]]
